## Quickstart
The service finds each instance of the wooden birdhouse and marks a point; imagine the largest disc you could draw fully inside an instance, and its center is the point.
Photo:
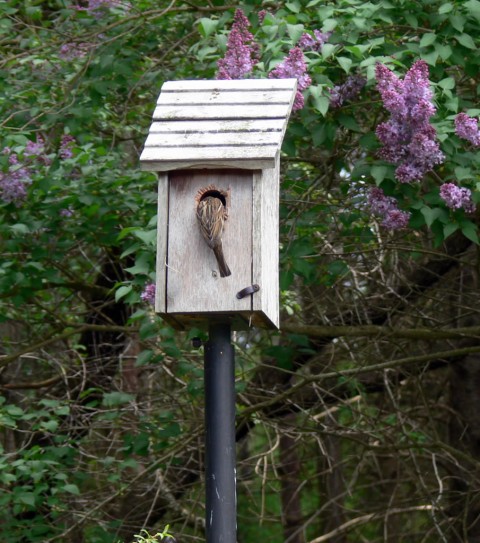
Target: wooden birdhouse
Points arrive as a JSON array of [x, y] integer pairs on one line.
[[216, 147]]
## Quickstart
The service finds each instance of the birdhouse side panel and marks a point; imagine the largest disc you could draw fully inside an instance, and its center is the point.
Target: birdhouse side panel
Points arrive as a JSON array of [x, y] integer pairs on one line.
[[194, 281], [162, 236], [265, 243]]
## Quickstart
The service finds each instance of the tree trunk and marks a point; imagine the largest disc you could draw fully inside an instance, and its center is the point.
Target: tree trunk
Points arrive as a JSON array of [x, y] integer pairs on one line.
[[290, 490], [465, 436]]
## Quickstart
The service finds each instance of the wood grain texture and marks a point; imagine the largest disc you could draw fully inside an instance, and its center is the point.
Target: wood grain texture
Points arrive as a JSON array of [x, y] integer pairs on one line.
[[194, 284], [214, 124], [232, 96], [162, 238], [265, 242], [224, 84]]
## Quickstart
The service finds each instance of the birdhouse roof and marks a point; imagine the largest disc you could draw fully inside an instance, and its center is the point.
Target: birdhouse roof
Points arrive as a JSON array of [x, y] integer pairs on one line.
[[220, 123]]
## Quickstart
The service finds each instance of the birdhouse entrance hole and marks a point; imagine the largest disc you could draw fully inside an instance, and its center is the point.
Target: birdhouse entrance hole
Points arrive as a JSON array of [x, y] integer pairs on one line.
[[211, 190]]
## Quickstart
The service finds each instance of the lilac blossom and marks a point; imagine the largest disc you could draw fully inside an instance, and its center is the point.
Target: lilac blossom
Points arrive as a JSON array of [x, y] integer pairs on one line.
[[409, 140], [242, 52], [395, 219], [386, 207], [67, 212], [14, 182], [261, 15], [70, 51], [34, 148], [93, 6], [13, 185], [347, 91], [148, 294], [467, 128], [66, 145], [294, 66], [457, 197], [313, 43]]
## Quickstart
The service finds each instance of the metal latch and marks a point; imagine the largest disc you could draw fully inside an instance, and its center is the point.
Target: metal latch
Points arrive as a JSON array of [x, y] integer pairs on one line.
[[248, 290]]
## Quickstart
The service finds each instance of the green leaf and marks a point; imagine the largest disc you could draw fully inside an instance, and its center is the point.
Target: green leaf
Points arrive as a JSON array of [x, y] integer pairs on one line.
[[431, 58], [345, 63], [427, 39], [49, 425], [19, 228], [379, 173], [149, 237], [445, 8], [466, 40], [328, 49], [463, 173], [320, 101], [329, 25], [295, 31], [447, 83], [122, 292], [337, 267], [207, 26], [445, 51], [450, 228], [432, 214], [469, 230], [27, 498], [72, 489], [473, 8], [457, 21], [114, 399], [144, 357], [293, 7]]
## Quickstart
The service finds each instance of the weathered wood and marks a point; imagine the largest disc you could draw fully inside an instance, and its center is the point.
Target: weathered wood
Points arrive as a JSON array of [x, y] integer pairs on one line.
[[215, 111], [169, 158], [193, 279], [162, 237], [265, 241], [204, 139], [225, 84], [216, 124], [227, 134], [229, 96]]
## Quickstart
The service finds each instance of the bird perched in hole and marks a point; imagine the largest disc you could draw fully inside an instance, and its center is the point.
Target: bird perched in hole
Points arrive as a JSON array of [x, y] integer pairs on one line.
[[211, 215]]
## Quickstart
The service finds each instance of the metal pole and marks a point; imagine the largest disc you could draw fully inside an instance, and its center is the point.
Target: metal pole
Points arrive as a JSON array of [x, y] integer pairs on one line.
[[220, 457]]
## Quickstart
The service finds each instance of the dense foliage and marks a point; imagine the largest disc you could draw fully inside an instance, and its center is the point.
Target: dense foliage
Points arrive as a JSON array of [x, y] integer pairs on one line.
[[357, 421]]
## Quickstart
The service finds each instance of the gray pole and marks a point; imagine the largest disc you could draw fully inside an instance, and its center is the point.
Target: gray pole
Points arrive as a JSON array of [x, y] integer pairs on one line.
[[220, 457]]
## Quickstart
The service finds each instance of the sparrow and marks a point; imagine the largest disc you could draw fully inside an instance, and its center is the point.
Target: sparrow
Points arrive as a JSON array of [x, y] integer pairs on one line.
[[211, 215]]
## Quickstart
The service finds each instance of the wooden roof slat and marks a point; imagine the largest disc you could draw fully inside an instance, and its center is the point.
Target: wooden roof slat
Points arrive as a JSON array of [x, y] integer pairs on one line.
[[219, 123]]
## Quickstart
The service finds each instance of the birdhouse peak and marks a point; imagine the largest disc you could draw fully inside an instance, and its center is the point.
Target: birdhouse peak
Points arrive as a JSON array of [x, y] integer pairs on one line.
[[219, 124]]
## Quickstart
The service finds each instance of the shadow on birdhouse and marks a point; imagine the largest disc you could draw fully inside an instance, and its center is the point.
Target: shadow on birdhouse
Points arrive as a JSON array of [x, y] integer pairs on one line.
[[216, 147]]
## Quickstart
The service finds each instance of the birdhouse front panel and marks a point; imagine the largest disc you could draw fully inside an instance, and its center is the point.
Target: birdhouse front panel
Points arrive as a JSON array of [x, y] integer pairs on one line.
[[195, 280]]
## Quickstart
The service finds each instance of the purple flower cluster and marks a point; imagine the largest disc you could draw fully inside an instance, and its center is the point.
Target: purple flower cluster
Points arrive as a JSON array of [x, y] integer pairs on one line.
[[14, 182], [347, 91], [409, 140], [66, 147], [242, 51], [67, 212], [467, 128], [93, 6], [386, 207], [294, 66], [457, 197], [148, 294], [313, 43], [69, 51], [35, 148], [261, 15]]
